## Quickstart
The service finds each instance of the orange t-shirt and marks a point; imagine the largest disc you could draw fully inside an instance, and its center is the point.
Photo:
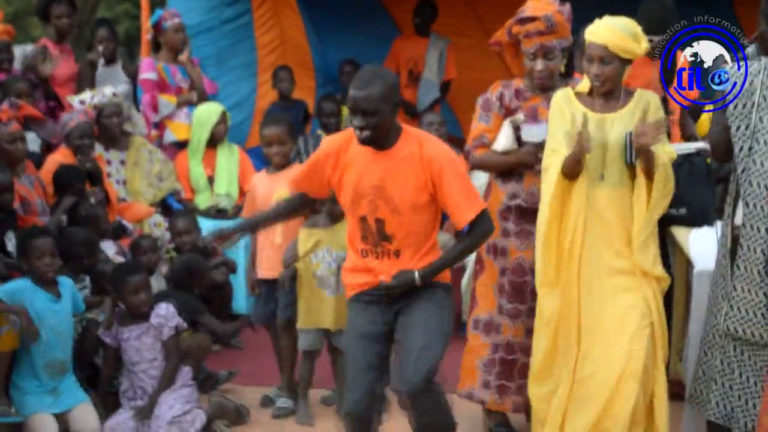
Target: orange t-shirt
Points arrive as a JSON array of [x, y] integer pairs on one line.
[[392, 199], [406, 58], [264, 192], [245, 172]]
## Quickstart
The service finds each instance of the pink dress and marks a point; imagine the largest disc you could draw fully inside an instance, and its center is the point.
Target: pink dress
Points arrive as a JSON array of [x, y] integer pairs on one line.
[[141, 346], [64, 77], [159, 84]]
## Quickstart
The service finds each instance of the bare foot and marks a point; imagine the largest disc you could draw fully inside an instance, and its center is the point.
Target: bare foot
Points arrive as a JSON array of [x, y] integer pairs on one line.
[[304, 414], [224, 408]]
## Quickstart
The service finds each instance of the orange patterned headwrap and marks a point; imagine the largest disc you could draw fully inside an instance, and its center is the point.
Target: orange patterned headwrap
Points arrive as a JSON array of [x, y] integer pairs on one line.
[[71, 119], [14, 112], [7, 32], [536, 23]]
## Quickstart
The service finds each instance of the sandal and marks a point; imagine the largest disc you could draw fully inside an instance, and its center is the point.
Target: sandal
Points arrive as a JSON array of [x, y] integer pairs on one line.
[[268, 400], [240, 414], [284, 408]]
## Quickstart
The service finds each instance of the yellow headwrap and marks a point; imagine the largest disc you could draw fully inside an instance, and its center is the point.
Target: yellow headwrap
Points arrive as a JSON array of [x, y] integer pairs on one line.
[[622, 36]]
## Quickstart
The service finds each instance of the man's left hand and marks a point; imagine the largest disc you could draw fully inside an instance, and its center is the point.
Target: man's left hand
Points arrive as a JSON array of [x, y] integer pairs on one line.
[[404, 280]]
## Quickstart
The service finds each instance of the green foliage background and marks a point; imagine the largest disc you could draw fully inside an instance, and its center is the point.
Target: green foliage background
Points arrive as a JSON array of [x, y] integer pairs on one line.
[[124, 13]]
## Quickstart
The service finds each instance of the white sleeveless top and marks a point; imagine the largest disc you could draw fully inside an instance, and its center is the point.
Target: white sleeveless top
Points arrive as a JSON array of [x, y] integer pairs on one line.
[[113, 75]]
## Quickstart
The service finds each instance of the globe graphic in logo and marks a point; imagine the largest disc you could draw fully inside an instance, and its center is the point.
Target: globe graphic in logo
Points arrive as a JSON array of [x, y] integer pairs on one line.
[[703, 65], [713, 59]]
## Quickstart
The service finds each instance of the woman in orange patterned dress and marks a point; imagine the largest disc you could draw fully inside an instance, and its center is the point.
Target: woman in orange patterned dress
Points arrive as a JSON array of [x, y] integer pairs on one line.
[[494, 368]]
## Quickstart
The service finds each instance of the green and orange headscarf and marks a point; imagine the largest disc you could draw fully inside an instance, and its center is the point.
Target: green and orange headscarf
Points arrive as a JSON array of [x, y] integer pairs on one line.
[[537, 23]]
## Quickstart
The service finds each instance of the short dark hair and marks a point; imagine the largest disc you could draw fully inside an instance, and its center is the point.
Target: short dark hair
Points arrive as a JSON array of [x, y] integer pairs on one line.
[[429, 6], [80, 212], [106, 24], [43, 9], [29, 235], [282, 68], [186, 271], [373, 75], [185, 214], [124, 271], [68, 177], [349, 61], [74, 241], [279, 120], [327, 98], [139, 241]]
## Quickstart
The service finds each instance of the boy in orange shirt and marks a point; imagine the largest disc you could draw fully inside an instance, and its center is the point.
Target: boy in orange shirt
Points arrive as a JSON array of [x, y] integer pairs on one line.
[[275, 307], [393, 182]]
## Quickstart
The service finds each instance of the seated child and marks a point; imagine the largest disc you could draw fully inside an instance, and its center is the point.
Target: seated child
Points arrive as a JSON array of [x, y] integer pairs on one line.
[[112, 236], [146, 250], [29, 194], [80, 253], [295, 110], [329, 117], [187, 237], [157, 388], [43, 383], [41, 133], [188, 277], [315, 261], [213, 172], [274, 308]]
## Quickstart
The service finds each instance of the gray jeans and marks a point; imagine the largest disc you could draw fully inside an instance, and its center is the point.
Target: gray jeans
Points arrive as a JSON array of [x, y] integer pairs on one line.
[[420, 323]]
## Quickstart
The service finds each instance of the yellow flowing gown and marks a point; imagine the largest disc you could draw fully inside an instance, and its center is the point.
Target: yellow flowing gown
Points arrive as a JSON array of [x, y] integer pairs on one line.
[[600, 337]]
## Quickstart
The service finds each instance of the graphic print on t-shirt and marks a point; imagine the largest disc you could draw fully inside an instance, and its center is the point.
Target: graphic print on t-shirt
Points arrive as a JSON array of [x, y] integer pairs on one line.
[[327, 263], [414, 72], [375, 205]]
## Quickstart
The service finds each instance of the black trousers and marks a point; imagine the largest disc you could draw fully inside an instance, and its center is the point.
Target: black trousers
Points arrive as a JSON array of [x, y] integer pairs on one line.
[[420, 323]]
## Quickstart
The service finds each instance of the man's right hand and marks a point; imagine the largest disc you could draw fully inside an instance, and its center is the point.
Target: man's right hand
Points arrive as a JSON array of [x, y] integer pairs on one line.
[[222, 238]]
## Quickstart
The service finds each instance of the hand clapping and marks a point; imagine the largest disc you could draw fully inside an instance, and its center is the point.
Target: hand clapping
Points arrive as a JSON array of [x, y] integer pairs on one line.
[[646, 134]]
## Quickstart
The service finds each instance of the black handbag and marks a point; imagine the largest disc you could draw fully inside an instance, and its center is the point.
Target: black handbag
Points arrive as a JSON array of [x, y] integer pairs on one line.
[[694, 202]]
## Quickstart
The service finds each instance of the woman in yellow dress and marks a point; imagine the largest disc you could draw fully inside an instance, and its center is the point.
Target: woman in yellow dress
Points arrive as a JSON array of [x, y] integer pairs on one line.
[[599, 341]]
